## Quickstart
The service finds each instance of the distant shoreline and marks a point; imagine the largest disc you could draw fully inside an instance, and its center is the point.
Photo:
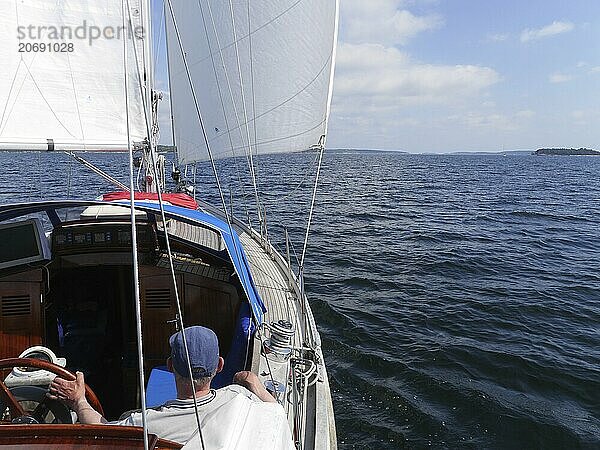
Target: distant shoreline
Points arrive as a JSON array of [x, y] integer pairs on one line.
[[539, 152], [566, 152]]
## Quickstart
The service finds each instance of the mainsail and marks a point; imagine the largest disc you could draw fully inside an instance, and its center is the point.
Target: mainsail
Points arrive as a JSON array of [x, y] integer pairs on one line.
[[261, 71], [62, 85]]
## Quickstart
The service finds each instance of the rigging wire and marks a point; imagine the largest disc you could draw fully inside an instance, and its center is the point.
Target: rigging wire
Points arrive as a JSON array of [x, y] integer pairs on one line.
[[252, 90], [312, 205], [203, 129], [168, 244], [252, 166], [233, 102], [161, 28], [171, 113], [69, 175], [136, 281], [221, 99], [137, 178], [305, 176], [167, 241], [199, 114]]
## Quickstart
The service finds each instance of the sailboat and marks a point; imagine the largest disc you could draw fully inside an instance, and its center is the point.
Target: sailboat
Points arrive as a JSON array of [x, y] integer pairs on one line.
[[98, 285]]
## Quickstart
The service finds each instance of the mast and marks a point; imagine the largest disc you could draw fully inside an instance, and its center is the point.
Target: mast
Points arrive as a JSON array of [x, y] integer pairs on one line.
[[151, 99]]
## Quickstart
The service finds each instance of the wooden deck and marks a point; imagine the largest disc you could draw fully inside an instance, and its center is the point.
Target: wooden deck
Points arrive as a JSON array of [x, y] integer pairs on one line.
[[282, 301], [280, 294]]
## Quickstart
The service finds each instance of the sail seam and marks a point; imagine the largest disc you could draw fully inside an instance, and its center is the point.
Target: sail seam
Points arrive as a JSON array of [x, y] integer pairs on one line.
[[76, 99], [219, 87], [240, 39], [285, 101], [45, 100], [2, 123], [252, 167]]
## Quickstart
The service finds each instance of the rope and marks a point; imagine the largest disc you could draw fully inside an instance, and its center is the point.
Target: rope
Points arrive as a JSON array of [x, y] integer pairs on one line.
[[136, 281], [301, 268]]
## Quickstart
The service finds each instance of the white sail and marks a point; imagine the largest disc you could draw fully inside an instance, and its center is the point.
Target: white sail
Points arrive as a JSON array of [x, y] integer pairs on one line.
[[62, 85], [261, 71]]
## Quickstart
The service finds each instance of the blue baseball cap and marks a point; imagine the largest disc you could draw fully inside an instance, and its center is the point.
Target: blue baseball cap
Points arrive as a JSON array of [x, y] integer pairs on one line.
[[203, 347]]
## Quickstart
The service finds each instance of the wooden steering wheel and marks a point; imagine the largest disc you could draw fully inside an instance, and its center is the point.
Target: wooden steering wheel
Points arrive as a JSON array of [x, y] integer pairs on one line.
[[16, 409]]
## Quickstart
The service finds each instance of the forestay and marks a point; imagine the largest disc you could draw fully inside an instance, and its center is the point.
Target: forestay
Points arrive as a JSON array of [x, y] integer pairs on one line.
[[261, 70], [62, 85]]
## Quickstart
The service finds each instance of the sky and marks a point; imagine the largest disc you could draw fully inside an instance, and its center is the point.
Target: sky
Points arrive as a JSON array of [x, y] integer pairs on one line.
[[463, 75]]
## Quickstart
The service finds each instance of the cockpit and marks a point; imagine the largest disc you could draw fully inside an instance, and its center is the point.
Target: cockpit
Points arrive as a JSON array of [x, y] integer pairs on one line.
[[67, 299]]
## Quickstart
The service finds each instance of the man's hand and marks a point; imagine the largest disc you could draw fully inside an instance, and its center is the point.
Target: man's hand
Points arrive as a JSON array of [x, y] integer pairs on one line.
[[250, 381], [72, 393]]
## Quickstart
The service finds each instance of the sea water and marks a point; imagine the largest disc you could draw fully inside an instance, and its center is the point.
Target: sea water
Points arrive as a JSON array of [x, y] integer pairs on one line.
[[457, 296]]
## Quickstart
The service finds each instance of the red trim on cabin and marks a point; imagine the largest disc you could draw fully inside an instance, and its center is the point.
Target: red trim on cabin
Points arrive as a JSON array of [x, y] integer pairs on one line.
[[177, 199]]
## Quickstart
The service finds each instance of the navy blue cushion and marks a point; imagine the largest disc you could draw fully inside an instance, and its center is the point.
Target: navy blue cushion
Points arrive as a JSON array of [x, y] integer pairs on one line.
[[236, 358]]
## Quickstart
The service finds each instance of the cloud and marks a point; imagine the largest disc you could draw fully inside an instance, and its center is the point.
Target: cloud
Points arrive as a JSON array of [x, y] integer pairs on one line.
[[383, 22], [550, 30], [559, 78], [387, 75], [498, 37], [584, 117], [525, 114], [493, 121], [381, 92]]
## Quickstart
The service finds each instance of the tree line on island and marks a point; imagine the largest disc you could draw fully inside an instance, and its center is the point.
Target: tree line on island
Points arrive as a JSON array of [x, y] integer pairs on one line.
[[566, 151], [165, 148]]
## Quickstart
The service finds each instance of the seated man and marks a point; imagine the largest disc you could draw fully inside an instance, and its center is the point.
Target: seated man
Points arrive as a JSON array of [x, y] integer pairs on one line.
[[243, 415]]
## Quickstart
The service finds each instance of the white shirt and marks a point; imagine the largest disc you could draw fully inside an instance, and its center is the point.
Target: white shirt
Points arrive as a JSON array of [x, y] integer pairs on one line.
[[231, 418]]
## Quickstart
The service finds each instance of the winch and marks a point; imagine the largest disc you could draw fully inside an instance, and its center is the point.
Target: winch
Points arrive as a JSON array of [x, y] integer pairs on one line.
[[279, 345]]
